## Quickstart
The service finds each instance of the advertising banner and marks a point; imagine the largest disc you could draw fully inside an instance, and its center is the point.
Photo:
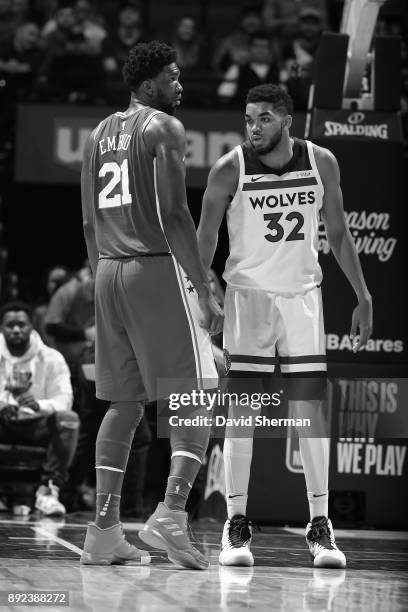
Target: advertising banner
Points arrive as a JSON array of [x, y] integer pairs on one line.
[[356, 125], [368, 462], [370, 155], [51, 139]]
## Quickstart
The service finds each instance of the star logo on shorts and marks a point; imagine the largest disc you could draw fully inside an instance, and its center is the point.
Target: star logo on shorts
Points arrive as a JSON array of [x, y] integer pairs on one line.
[[190, 289], [227, 361]]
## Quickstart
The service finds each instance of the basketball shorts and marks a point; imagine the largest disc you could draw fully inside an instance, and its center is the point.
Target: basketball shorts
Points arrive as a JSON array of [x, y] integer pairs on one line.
[[147, 330], [262, 329]]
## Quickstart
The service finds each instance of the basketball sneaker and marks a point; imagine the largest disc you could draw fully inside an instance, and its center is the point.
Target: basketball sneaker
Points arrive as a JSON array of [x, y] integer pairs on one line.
[[109, 547], [47, 500], [169, 530], [235, 542], [322, 544]]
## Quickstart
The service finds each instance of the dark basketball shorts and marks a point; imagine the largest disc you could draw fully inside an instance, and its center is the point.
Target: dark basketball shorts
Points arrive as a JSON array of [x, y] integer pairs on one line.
[[147, 330]]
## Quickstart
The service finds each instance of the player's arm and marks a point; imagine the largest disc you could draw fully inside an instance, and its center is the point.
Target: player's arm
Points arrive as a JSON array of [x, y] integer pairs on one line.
[[88, 208], [342, 244], [165, 137], [221, 186]]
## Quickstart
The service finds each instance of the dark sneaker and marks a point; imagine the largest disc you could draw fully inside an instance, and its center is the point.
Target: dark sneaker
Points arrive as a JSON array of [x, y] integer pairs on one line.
[[322, 544], [235, 542]]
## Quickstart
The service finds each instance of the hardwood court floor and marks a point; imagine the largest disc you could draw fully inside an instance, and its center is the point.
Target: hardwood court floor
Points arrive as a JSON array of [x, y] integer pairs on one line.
[[44, 554]]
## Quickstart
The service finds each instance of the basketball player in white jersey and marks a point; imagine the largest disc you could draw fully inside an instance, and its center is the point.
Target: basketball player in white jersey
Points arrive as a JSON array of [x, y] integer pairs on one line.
[[274, 189]]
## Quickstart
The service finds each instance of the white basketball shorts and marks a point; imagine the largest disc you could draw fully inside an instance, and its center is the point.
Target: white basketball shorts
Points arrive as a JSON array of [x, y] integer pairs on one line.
[[262, 329]]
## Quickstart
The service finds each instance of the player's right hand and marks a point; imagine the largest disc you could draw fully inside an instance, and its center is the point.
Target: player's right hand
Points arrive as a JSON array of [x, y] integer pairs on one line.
[[213, 315]]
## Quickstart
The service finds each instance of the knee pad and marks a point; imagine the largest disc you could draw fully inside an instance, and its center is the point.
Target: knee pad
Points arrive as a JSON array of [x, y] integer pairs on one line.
[[191, 440], [116, 434]]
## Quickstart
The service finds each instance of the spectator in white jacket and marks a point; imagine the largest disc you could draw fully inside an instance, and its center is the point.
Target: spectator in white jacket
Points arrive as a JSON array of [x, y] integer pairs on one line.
[[36, 400]]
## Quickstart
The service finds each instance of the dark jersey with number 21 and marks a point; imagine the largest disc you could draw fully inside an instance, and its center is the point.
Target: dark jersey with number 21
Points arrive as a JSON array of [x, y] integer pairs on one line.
[[118, 187]]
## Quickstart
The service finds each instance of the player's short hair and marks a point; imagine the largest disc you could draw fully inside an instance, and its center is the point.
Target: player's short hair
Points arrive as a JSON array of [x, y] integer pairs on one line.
[[275, 95], [15, 306], [145, 61]]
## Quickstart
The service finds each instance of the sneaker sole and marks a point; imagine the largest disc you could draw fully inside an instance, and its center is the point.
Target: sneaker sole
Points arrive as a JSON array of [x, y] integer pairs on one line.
[[55, 513], [329, 562], [154, 538], [238, 561], [92, 559]]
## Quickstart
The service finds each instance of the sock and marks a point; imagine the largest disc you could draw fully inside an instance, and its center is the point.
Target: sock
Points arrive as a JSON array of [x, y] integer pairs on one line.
[[183, 472], [112, 450], [107, 509], [237, 455], [318, 504], [237, 466], [315, 460], [177, 492]]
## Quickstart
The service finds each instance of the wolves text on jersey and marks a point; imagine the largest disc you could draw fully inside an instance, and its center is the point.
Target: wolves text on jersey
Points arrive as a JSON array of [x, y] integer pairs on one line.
[[283, 199]]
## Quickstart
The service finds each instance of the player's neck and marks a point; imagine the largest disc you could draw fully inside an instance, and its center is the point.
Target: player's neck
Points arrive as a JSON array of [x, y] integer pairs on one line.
[[281, 155], [138, 101]]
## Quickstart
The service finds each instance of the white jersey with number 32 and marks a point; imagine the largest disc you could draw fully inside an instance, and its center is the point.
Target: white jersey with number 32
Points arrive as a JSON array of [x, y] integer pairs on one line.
[[273, 223]]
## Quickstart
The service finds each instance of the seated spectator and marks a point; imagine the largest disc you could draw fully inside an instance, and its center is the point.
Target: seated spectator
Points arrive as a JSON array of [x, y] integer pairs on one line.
[[281, 17], [36, 401], [234, 49], [72, 67], [88, 23], [299, 57], [56, 276], [193, 57], [261, 68], [85, 21], [115, 49], [189, 45], [20, 60], [303, 49], [70, 320], [22, 11], [8, 24]]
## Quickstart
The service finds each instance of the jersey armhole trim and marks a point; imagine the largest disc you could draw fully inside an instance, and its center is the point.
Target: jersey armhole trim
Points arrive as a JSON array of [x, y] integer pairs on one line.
[[313, 164], [144, 126], [241, 175], [96, 130]]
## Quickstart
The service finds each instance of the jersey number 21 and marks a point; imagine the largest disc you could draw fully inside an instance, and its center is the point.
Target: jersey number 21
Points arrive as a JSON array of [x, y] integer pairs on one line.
[[120, 175]]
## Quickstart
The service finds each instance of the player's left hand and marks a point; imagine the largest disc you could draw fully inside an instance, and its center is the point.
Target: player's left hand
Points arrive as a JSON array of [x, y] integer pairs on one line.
[[362, 322]]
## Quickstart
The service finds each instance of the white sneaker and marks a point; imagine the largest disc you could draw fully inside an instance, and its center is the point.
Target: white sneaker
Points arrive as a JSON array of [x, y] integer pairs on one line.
[[46, 500], [322, 544], [235, 542]]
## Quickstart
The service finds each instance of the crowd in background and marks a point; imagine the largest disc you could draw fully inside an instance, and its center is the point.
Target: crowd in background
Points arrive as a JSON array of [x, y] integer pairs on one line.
[[73, 51]]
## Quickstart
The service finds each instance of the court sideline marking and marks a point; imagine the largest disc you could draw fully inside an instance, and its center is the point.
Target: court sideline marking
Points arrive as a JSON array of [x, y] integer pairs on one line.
[[50, 536]]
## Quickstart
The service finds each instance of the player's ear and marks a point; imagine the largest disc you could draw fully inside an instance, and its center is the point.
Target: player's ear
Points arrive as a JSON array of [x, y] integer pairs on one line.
[[148, 87], [287, 122]]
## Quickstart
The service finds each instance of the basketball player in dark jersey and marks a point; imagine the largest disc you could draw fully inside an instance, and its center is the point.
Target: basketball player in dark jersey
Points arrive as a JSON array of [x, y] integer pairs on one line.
[[153, 306], [273, 190]]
